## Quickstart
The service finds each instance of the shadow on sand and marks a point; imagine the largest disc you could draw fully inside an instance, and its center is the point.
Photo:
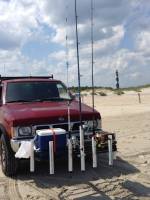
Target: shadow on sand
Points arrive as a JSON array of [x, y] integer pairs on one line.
[[101, 180]]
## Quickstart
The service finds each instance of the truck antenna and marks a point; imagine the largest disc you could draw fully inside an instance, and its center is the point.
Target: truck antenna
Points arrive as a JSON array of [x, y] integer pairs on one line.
[[78, 62], [92, 59]]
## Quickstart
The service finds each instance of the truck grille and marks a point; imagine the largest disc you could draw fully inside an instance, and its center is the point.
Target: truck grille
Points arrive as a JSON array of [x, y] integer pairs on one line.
[[74, 126]]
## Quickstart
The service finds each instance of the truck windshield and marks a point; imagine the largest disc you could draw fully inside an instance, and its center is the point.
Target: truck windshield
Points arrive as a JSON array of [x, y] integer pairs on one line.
[[35, 91]]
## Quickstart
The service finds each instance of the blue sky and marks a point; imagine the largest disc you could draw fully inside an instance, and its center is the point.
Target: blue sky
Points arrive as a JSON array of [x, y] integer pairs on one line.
[[33, 42], [37, 48]]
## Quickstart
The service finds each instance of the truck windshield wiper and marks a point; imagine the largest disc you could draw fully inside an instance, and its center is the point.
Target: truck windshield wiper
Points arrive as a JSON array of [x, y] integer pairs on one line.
[[19, 101], [39, 100], [51, 99]]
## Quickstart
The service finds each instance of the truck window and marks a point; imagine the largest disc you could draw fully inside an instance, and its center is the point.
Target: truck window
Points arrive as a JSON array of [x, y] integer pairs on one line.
[[62, 91], [34, 91]]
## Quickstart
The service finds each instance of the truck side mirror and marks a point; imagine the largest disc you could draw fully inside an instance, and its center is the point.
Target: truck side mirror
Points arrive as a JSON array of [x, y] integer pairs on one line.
[[73, 97]]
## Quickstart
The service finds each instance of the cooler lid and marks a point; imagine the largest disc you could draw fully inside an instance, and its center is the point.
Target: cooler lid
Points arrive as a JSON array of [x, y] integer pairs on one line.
[[49, 132]]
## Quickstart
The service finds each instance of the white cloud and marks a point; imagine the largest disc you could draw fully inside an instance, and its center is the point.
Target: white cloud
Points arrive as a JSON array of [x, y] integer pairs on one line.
[[143, 41], [12, 63], [23, 21], [17, 20]]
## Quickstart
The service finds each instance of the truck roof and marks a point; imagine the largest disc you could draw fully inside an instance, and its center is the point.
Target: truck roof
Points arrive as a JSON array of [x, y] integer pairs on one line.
[[27, 78], [30, 80]]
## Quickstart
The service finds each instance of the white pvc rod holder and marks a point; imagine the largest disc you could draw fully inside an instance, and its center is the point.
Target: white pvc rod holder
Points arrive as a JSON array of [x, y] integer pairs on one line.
[[82, 154], [110, 150], [32, 157], [70, 159], [51, 157], [115, 152], [94, 155]]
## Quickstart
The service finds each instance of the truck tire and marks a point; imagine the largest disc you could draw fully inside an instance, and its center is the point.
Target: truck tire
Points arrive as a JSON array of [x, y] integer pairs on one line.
[[8, 160]]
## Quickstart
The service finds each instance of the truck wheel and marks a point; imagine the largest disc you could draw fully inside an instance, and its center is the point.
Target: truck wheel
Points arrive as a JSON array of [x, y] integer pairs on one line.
[[8, 160]]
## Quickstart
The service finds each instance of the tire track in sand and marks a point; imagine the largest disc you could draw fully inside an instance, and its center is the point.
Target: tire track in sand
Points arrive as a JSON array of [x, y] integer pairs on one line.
[[4, 189], [13, 190]]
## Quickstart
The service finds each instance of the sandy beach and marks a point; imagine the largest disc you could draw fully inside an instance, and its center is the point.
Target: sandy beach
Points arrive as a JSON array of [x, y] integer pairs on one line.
[[129, 178]]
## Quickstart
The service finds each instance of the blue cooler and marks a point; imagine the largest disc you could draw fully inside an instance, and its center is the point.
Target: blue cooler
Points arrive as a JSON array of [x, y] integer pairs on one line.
[[43, 137]]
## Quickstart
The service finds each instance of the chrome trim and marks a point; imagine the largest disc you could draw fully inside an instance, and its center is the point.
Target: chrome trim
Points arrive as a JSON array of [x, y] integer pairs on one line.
[[36, 126], [50, 125], [59, 124], [15, 144]]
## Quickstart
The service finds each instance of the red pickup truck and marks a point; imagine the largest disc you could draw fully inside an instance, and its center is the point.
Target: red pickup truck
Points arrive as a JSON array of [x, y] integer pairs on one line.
[[28, 104]]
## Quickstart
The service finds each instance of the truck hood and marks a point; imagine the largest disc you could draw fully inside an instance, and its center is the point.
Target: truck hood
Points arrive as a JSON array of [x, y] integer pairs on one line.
[[46, 112]]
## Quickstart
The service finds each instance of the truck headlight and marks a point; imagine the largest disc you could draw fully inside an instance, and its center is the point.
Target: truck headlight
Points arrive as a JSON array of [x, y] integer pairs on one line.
[[89, 124], [99, 123], [25, 131]]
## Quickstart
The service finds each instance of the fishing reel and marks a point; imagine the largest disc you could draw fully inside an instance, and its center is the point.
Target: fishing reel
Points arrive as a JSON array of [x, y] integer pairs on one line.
[[102, 138]]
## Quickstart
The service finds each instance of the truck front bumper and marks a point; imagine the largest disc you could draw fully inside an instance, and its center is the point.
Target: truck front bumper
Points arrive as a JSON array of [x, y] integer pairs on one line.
[[101, 144]]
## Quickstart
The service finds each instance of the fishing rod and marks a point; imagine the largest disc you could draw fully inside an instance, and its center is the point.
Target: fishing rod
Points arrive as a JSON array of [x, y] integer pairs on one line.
[[82, 154], [94, 155], [70, 159], [78, 62], [92, 59], [67, 51], [67, 66]]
